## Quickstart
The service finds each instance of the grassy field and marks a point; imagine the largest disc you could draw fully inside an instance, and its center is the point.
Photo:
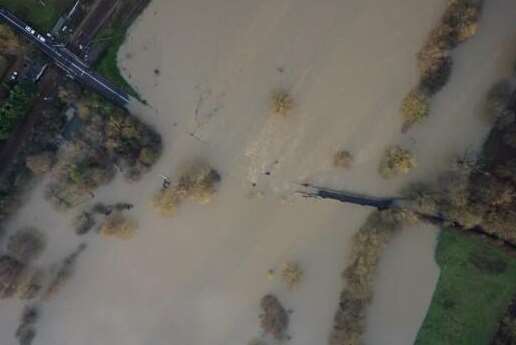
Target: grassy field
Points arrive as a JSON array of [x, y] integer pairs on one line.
[[107, 65], [42, 17], [476, 284]]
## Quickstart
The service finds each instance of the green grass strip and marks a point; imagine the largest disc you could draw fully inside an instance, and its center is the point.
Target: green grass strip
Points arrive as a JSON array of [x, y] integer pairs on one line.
[[476, 284]]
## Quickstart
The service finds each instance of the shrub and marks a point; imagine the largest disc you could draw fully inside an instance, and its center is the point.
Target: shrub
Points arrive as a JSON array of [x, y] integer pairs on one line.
[[435, 78], [26, 245], [197, 183], [291, 274], [118, 226], [349, 321], [396, 161], [282, 102], [422, 198], [274, 320], [366, 249], [26, 332], [431, 57], [89, 174], [342, 159], [76, 178], [167, 200], [414, 107], [148, 156], [463, 16]]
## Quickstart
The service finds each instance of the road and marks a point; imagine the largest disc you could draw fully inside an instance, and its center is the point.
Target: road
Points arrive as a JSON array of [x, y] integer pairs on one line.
[[66, 60]]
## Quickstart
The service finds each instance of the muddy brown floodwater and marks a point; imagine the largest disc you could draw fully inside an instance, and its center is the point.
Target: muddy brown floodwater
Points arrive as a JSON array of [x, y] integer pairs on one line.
[[207, 69]]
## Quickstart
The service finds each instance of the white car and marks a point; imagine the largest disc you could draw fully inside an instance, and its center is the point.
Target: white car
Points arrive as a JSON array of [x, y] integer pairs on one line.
[[41, 38], [13, 76], [30, 30]]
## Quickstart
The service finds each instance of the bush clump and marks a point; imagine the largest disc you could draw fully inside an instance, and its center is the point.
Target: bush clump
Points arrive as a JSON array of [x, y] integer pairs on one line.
[[102, 140], [197, 183], [434, 61], [414, 107], [274, 319], [366, 249], [282, 102], [291, 274], [435, 78], [343, 159], [26, 330], [462, 17], [396, 161], [118, 226]]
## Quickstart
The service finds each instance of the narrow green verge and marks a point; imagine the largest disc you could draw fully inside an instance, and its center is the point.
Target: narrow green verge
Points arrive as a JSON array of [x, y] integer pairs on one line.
[[476, 284], [107, 65]]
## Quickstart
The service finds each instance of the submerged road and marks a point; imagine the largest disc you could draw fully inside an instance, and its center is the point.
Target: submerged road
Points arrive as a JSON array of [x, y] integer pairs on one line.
[[66, 60]]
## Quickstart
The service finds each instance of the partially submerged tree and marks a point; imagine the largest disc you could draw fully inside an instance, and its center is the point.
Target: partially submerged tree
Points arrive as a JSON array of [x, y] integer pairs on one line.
[[462, 16], [291, 274], [118, 226], [282, 102], [197, 183], [275, 319], [343, 159], [396, 161], [26, 331], [434, 60], [366, 249], [415, 107]]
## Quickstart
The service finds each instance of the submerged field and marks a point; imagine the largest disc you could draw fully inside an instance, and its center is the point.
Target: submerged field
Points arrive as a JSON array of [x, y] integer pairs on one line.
[[208, 71]]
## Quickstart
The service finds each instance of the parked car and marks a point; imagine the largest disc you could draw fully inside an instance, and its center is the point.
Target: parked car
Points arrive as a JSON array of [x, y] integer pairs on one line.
[[14, 76]]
